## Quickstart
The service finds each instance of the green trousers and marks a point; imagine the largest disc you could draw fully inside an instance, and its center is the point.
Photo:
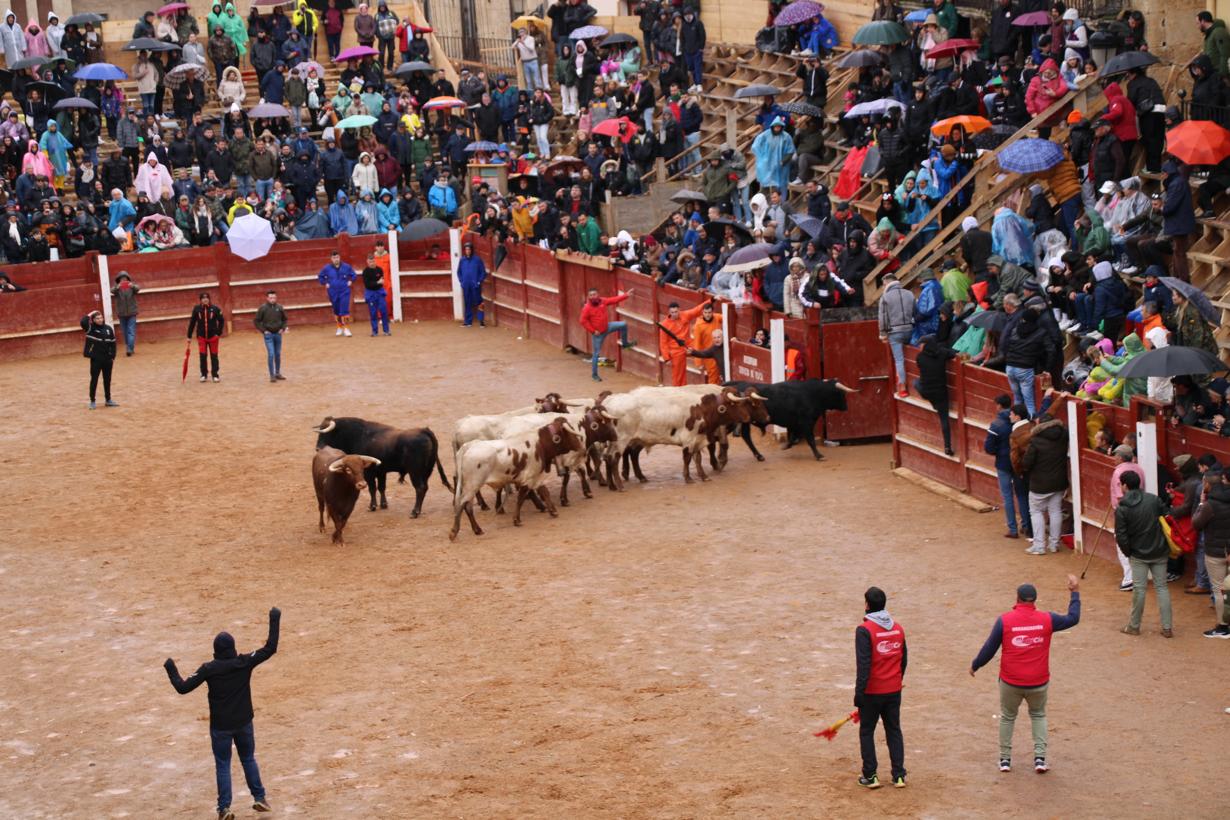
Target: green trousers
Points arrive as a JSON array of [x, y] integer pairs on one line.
[[1010, 698]]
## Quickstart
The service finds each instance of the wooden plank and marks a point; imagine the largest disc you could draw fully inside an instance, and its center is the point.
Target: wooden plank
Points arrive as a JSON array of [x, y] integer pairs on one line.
[[947, 492]]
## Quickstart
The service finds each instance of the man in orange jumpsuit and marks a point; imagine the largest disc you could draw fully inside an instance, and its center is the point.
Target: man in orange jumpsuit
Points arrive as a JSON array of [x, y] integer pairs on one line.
[[702, 339], [678, 323]]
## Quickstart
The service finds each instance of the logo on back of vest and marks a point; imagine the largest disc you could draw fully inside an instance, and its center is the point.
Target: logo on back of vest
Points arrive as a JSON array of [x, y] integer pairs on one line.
[[888, 647], [1026, 641]]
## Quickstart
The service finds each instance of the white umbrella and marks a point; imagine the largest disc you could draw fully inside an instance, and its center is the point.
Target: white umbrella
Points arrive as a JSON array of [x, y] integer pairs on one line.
[[250, 237], [881, 106]]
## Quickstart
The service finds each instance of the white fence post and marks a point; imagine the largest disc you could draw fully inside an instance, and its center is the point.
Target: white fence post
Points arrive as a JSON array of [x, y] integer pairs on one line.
[[104, 284], [395, 275], [777, 350], [726, 339], [1146, 453], [454, 242], [1074, 460]]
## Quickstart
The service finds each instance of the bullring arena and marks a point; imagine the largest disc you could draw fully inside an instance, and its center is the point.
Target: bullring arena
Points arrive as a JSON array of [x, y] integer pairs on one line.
[[664, 652]]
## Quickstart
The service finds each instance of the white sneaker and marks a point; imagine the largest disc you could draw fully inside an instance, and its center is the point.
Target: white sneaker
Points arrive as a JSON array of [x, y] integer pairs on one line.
[[1051, 548], [339, 332], [1064, 324], [346, 332], [1033, 551], [204, 378], [796, 181], [1075, 327]]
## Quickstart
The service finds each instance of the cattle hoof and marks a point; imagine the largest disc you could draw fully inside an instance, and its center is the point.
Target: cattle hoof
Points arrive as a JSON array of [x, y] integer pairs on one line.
[[759, 457], [704, 478], [563, 502], [322, 527], [819, 457], [516, 522], [589, 495], [372, 508], [688, 481], [384, 505], [452, 536], [414, 513]]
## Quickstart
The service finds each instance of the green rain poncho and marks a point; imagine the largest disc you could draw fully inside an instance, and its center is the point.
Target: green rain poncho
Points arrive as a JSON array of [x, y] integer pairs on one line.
[[1132, 347], [236, 28]]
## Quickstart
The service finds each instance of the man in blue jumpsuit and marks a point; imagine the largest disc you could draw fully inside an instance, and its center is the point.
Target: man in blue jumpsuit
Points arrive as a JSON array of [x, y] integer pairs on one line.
[[336, 277], [471, 272]]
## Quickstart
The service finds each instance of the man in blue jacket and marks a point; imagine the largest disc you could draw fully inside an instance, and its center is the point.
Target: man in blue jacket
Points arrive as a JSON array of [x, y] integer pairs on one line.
[[1178, 215], [471, 273], [336, 277], [1013, 489], [229, 679]]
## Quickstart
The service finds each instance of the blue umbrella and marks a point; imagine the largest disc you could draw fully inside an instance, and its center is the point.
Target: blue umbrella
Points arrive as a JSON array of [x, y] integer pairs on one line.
[[797, 12], [482, 145], [1030, 156], [100, 71], [918, 15]]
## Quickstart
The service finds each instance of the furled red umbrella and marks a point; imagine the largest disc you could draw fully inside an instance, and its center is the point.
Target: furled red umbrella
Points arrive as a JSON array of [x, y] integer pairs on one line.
[[1033, 18], [831, 732], [187, 352], [971, 124], [622, 127], [1198, 142], [356, 53], [951, 48], [797, 12]]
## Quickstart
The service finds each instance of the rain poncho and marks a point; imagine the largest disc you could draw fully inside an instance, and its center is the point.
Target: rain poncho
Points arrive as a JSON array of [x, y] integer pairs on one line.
[[342, 216], [236, 28], [1012, 237], [1160, 388], [35, 162], [216, 18], [313, 224], [773, 152], [366, 214], [759, 206], [883, 239], [117, 211], [1132, 347], [1098, 378], [955, 285], [388, 212], [56, 147], [1049, 250], [153, 180], [912, 208], [12, 38], [972, 340], [1095, 241], [947, 173]]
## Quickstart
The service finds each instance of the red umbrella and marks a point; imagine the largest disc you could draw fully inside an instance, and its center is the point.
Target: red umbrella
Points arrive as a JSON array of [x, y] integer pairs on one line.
[[1198, 142], [172, 8], [187, 353], [623, 128], [1032, 18], [951, 48]]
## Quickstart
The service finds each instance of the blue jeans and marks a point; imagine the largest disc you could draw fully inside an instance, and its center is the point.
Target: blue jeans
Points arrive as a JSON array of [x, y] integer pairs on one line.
[[264, 189], [129, 325], [529, 69], [692, 160], [273, 352], [695, 64], [1022, 381], [1069, 210], [377, 309], [1015, 493], [740, 202], [147, 104], [1084, 311], [243, 184], [245, 744], [599, 338], [648, 117], [1202, 572], [897, 341]]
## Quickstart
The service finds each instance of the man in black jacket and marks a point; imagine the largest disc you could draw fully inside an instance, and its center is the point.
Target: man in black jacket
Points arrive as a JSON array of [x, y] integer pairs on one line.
[[208, 323], [880, 656], [1146, 97], [815, 80], [229, 679], [1139, 536], [1212, 520], [1106, 161], [1002, 37]]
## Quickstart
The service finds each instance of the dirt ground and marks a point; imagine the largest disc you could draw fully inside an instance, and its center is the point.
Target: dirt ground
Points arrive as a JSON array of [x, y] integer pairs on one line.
[[666, 652]]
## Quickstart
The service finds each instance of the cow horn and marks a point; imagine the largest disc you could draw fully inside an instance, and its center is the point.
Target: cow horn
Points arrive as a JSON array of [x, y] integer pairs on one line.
[[328, 428], [757, 396], [575, 403], [335, 466], [371, 461], [734, 397], [844, 389]]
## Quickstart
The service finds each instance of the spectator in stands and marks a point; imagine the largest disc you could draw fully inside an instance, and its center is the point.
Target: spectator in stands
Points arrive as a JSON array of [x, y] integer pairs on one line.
[[932, 382], [1139, 536], [1216, 42]]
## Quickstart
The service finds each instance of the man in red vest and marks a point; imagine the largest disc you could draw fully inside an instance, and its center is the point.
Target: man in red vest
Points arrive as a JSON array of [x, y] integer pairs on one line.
[[1024, 634], [880, 655]]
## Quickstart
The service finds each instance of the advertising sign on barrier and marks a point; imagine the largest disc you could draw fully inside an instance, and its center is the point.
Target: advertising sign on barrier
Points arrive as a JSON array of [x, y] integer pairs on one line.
[[749, 363]]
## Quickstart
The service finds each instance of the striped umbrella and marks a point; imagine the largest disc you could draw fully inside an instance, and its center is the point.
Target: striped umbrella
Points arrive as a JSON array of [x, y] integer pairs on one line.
[[443, 102], [1030, 156]]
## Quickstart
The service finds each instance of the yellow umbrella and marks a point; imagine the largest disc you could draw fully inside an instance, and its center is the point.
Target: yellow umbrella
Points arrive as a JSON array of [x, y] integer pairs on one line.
[[530, 20]]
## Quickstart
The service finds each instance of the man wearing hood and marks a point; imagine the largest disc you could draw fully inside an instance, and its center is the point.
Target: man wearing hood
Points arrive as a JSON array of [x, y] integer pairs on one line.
[[975, 245], [1216, 41], [880, 656], [264, 55], [1045, 465], [342, 217], [12, 39], [692, 43], [302, 176], [471, 273], [229, 680], [312, 224], [366, 214], [387, 212], [1139, 536], [773, 150], [442, 199]]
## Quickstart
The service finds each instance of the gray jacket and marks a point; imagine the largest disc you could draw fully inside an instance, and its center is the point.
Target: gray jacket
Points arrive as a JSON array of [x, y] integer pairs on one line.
[[125, 300], [126, 133], [896, 309]]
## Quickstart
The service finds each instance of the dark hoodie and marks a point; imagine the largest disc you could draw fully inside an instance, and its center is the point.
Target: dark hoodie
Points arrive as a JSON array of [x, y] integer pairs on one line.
[[1137, 531], [1213, 519], [1046, 459], [228, 677]]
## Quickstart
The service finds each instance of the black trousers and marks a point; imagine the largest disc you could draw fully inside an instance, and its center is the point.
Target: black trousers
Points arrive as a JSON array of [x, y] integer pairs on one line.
[[101, 366], [212, 363], [1153, 137], [874, 709]]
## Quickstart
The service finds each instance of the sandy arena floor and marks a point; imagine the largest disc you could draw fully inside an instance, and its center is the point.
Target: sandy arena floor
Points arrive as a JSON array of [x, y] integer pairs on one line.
[[666, 652]]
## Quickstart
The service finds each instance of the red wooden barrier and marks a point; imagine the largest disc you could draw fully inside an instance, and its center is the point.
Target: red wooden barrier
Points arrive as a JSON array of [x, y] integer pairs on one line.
[[750, 363]]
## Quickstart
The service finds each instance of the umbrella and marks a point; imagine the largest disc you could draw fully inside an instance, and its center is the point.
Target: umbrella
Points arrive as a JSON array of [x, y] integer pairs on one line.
[[155, 219], [482, 145], [951, 48], [356, 53], [305, 67], [1128, 60], [881, 33], [75, 102], [750, 257], [422, 229], [810, 224], [1030, 156], [178, 75], [443, 102], [990, 320], [861, 58], [717, 227], [802, 109], [413, 66], [266, 110], [250, 237], [357, 121], [918, 15], [1033, 18], [797, 12], [757, 91], [527, 20], [1172, 361], [588, 32], [618, 39], [610, 128], [187, 352], [48, 90], [1194, 295], [172, 8], [868, 109], [684, 195], [100, 71], [83, 19], [28, 62], [1198, 142], [149, 44], [970, 123]]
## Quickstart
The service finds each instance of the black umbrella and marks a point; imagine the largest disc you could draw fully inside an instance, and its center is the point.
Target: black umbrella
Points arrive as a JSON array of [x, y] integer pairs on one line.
[[149, 44], [1196, 296], [82, 19], [717, 227], [618, 39], [1172, 361], [422, 229], [1128, 60], [50, 91], [684, 195], [991, 320], [413, 66], [75, 102], [802, 109], [28, 62], [757, 91], [861, 58], [6, 80]]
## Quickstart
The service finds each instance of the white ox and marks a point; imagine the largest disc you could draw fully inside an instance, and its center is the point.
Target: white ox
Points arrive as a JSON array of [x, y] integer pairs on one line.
[[522, 461]]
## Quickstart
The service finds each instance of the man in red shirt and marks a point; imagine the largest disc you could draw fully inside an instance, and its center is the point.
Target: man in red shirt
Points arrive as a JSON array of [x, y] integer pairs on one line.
[[595, 320], [1024, 634], [880, 656]]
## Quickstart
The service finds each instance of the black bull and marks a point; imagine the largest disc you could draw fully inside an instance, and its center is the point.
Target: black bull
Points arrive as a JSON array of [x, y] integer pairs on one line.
[[409, 452], [797, 406]]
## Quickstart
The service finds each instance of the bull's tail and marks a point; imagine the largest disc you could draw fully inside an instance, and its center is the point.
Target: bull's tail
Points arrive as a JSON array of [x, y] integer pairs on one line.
[[435, 454]]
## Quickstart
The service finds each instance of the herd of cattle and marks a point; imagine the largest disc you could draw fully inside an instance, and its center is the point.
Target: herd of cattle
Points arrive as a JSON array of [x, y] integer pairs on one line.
[[600, 439]]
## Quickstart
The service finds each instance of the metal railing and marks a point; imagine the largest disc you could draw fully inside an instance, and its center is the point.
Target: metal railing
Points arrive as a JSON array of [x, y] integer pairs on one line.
[[1213, 113]]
